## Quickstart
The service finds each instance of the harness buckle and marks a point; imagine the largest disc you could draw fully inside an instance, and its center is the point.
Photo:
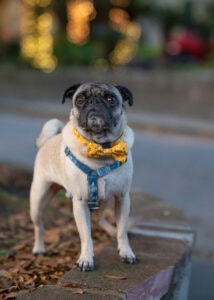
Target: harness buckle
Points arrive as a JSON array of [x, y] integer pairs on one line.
[[103, 171], [67, 151]]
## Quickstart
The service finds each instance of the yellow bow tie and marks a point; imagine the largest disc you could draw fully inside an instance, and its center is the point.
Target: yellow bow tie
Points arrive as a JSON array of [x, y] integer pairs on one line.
[[118, 150]]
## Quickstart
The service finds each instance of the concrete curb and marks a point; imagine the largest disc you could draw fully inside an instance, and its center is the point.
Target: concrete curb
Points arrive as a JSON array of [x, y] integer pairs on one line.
[[156, 276], [163, 246], [171, 123]]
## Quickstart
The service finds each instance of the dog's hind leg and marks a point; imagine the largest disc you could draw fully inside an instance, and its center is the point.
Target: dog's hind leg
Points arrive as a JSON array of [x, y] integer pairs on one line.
[[107, 226], [41, 192]]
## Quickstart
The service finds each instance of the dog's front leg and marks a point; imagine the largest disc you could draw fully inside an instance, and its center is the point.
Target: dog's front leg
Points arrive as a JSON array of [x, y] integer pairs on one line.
[[40, 193], [82, 217], [122, 214]]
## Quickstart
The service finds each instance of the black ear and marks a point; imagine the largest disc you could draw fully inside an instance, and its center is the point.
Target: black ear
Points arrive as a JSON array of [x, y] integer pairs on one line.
[[126, 94], [70, 92]]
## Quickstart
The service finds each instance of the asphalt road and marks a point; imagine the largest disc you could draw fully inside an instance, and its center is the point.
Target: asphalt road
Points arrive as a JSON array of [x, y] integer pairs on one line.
[[180, 170], [177, 168]]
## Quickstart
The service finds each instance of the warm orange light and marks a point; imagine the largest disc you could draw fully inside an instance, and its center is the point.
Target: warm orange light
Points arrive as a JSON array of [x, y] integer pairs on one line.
[[133, 30], [126, 48], [118, 18], [121, 3], [80, 13], [123, 53]]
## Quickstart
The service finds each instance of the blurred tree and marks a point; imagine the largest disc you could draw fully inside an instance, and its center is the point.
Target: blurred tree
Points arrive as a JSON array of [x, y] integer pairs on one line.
[[188, 14], [107, 35]]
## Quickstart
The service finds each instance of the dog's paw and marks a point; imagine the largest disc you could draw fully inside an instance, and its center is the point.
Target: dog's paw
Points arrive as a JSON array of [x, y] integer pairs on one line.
[[129, 259], [85, 262], [127, 256], [85, 265], [38, 250], [36, 253]]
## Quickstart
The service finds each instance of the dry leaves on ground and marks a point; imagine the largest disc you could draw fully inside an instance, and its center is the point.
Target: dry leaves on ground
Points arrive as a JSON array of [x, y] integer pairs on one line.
[[19, 269]]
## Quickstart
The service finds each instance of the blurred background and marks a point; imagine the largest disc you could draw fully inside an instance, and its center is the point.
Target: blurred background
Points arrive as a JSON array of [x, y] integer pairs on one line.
[[47, 34], [163, 50]]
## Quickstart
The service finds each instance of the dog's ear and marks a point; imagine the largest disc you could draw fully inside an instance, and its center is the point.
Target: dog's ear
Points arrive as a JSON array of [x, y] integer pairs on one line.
[[70, 92], [126, 94]]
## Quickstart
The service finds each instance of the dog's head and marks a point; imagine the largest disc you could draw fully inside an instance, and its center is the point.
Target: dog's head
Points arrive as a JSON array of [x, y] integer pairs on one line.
[[99, 108]]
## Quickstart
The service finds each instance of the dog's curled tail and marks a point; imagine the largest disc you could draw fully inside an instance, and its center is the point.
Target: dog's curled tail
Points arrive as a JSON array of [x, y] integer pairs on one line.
[[51, 128]]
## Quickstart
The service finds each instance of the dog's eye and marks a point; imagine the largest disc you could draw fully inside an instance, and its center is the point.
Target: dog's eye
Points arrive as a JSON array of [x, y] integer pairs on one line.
[[80, 100], [111, 99]]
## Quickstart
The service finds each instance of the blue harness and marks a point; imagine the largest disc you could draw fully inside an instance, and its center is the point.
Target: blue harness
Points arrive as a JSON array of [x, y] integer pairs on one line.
[[92, 176]]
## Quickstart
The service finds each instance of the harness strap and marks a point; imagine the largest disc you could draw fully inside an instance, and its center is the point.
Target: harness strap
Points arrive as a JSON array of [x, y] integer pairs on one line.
[[92, 176]]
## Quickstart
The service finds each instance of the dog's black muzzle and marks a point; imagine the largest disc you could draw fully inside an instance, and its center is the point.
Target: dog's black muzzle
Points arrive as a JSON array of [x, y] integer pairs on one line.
[[96, 116]]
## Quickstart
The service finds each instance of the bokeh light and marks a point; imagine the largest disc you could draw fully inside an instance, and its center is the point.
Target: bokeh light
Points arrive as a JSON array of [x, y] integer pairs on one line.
[[40, 3], [37, 38], [101, 64], [80, 13], [118, 18], [121, 3], [126, 48]]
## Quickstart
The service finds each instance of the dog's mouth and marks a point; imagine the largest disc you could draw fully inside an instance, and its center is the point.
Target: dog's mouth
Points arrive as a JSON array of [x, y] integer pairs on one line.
[[96, 122]]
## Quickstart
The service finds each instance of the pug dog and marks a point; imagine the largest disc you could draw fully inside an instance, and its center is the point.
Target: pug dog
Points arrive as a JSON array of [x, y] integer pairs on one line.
[[90, 157]]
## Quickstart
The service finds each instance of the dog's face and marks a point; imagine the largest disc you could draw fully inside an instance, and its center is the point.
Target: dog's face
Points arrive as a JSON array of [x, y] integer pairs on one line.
[[98, 108]]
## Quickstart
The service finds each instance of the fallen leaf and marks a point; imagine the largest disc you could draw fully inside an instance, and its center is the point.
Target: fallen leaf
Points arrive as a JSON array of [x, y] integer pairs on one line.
[[78, 291], [67, 284], [19, 247], [5, 284], [5, 274], [25, 256], [52, 235], [114, 277], [11, 295]]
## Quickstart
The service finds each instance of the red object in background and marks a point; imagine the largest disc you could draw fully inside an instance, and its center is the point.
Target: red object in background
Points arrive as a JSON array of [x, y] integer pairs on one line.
[[185, 42], [6, 36]]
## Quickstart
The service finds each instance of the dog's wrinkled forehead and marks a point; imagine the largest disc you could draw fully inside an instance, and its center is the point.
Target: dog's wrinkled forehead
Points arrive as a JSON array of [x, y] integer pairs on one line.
[[92, 89], [95, 89]]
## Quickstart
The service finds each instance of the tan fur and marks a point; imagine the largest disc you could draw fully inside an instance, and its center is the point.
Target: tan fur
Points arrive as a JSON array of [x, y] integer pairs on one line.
[[53, 167]]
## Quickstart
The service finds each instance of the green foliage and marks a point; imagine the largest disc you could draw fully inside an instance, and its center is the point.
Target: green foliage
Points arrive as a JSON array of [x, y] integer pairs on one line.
[[103, 37], [148, 52], [68, 53]]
